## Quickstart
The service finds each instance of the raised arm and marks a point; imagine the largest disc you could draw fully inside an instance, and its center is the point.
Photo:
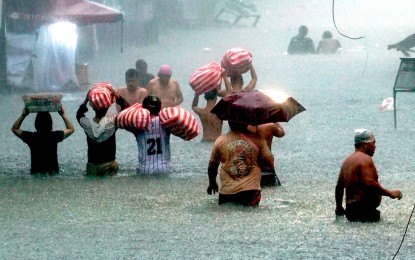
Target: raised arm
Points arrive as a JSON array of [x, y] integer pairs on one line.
[[16, 126], [228, 86], [253, 81], [82, 109], [195, 102], [69, 127]]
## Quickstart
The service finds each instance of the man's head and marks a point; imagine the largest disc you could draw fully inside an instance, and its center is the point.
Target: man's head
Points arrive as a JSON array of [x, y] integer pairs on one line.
[[164, 74], [327, 35], [237, 79], [364, 139], [141, 66], [131, 79], [238, 127], [303, 30], [152, 103], [43, 122], [211, 95]]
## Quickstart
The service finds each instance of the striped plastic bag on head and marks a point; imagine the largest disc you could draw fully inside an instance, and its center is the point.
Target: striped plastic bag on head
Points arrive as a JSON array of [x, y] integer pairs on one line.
[[206, 78]]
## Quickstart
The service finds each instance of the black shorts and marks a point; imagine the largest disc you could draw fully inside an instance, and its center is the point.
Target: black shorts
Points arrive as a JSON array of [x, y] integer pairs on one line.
[[250, 198], [361, 212]]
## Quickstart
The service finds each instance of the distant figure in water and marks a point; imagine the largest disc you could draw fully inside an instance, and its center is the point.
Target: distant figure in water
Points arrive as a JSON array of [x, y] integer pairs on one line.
[[166, 88], [328, 45], [358, 176], [268, 131], [405, 46], [43, 143], [143, 76], [239, 151], [301, 44]]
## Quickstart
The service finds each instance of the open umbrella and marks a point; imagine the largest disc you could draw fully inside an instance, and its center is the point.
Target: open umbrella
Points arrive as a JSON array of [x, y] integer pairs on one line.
[[256, 108]]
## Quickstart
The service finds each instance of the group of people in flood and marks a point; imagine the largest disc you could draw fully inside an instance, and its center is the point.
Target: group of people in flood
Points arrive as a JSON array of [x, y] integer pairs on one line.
[[302, 44], [242, 157]]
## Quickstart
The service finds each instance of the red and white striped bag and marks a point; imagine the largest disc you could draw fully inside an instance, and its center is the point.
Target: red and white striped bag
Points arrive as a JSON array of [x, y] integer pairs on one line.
[[180, 122], [101, 96], [134, 116], [237, 60], [206, 78]]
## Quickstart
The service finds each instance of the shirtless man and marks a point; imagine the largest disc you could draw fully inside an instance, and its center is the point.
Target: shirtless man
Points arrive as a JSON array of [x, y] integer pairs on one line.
[[143, 76], [268, 131], [132, 93], [166, 88], [237, 83], [328, 45], [212, 125], [359, 177]]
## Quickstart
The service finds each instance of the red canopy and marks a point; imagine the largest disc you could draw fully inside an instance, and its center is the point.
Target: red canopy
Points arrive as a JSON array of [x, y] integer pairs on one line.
[[81, 12]]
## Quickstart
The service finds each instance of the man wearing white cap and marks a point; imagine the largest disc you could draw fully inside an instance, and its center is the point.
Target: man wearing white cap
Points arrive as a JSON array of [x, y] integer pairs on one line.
[[359, 177], [166, 88]]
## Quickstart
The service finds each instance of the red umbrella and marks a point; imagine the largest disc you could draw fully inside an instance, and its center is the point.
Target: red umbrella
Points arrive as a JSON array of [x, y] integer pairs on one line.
[[256, 108]]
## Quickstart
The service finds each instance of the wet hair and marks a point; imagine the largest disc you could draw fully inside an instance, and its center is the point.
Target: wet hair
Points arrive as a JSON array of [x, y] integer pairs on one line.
[[237, 77], [131, 73], [141, 65], [43, 122], [210, 95], [327, 35], [303, 29], [239, 127], [152, 103]]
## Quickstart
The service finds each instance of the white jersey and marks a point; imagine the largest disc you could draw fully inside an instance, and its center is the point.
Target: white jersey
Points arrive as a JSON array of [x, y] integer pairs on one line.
[[154, 149]]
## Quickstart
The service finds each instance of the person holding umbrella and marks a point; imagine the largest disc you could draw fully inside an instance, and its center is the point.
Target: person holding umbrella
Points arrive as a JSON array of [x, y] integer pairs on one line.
[[239, 152]]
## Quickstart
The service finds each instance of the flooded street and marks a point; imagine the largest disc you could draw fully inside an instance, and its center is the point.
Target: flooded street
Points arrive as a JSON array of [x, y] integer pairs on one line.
[[71, 216]]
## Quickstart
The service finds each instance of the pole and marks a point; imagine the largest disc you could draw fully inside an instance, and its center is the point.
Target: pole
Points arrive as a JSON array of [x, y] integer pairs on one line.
[[3, 52]]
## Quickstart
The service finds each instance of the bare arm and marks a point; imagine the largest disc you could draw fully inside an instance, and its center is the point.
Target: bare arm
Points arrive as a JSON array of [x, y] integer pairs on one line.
[[228, 85], [213, 172], [194, 104], [339, 192], [179, 95], [214, 163], [277, 130], [68, 124], [265, 157], [253, 81], [370, 179], [16, 126]]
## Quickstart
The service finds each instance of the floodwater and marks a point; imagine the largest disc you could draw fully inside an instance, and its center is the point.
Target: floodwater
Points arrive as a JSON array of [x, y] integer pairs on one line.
[[72, 216]]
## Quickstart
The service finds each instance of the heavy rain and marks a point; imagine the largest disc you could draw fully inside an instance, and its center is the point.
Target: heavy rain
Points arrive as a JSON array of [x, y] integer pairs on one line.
[[71, 215]]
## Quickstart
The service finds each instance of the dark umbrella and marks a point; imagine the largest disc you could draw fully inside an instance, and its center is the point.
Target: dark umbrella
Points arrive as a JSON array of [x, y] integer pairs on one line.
[[256, 108]]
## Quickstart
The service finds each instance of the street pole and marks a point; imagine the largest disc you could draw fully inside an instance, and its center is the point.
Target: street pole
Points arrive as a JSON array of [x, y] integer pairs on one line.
[[3, 52]]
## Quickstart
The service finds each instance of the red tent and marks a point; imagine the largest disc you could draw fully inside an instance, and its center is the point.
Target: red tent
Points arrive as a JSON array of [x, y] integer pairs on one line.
[[81, 12]]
